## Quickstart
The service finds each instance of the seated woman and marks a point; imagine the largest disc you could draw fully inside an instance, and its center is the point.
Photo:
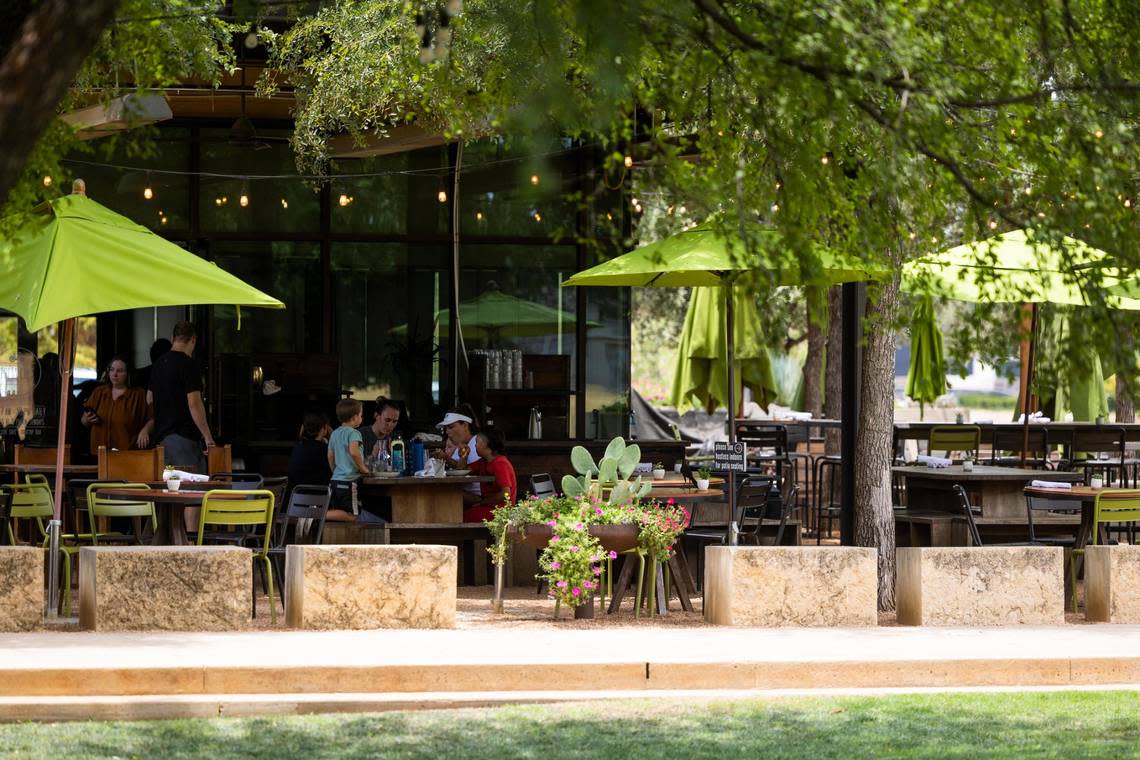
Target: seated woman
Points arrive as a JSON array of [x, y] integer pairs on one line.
[[308, 462], [116, 413], [504, 490]]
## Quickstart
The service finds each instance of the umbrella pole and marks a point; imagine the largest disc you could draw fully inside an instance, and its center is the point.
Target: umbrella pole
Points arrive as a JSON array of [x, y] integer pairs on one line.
[[67, 359], [1028, 383], [729, 351]]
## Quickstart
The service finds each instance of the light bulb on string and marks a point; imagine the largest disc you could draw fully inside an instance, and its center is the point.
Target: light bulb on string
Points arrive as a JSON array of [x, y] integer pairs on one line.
[[243, 199], [47, 180], [441, 196], [148, 191], [284, 203], [478, 216], [628, 161], [537, 216], [534, 179], [344, 200]]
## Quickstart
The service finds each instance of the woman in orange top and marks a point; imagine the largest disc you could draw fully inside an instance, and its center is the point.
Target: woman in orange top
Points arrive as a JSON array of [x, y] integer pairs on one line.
[[117, 414]]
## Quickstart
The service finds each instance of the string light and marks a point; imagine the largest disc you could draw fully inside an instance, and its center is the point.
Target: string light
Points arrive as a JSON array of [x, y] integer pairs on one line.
[[1127, 203], [775, 207], [537, 216], [344, 200], [441, 196], [1099, 134], [47, 180], [682, 210], [221, 200], [628, 161], [912, 235], [534, 179], [243, 200], [993, 225], [825, 160], [478, 216], [284, 203]]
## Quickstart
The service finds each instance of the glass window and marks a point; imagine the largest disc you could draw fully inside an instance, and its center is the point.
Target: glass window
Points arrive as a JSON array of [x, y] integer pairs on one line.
[[250, 202], [125, 191], [507, 193], [290, 272], [397, 194], [386, 299], [607, 360]]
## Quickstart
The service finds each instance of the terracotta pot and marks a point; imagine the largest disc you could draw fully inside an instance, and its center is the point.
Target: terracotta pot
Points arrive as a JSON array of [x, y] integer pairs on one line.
[[616, 538]]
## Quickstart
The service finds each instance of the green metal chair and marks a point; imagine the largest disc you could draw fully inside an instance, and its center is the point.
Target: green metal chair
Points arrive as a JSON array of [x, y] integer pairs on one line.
[[34, 502], [951, 438], [226, 507], [1115, 505], [100, 506]]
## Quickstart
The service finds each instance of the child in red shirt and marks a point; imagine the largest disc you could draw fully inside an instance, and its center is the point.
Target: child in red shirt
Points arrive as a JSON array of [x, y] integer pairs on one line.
[[490, 447]]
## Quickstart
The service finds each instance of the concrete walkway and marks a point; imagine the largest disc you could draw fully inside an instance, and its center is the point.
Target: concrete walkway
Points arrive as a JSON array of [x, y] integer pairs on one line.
[[54, 675]]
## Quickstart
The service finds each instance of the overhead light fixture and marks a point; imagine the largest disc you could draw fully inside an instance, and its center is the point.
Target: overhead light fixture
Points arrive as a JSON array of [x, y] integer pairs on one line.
[[123, 112]]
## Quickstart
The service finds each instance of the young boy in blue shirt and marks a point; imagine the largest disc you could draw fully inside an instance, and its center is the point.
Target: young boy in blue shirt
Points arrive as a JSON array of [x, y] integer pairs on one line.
[[346, 459]]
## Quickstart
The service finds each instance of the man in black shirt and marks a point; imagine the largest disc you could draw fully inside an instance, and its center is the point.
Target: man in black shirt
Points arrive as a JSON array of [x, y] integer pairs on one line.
[[180, 424]]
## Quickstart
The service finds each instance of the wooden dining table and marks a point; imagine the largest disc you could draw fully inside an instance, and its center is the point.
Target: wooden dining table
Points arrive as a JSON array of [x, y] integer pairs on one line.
[[425, 500], [997, 490], [69, 470], [169, 509]]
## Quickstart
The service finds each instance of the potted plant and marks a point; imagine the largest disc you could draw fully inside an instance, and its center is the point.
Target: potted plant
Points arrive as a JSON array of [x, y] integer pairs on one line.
[[658, 471], [172, 478], [702, 478]]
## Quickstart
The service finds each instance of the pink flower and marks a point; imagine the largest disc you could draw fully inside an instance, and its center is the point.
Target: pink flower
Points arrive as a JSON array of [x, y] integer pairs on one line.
[[555, 565], [588, 584], [579, 526], [598, 511], [554, 539], [551, 523], [597, 570], [572, 548], [562, 584], [669, 501], [576, 591], [613, 554]]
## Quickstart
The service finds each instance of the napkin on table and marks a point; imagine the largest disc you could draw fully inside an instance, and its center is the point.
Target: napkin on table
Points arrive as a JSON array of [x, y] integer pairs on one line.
[[1051, 484]]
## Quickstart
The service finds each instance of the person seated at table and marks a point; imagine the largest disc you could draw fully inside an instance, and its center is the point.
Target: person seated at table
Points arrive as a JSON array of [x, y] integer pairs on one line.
[[346, 461], [309, 462], [117, 414], [459, 452], [504, 490], [384, 420]]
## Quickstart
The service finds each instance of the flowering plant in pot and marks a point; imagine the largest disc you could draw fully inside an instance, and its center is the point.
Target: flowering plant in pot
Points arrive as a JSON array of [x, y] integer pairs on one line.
[[658, 470]]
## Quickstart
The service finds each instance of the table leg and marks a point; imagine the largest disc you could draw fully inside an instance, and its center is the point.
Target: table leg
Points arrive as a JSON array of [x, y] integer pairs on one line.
[[426, 504], [178, 535], [1084, 532], [682, 581]]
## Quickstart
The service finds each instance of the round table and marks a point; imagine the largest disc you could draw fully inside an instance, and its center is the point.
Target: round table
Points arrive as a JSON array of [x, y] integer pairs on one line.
[[170, 510]]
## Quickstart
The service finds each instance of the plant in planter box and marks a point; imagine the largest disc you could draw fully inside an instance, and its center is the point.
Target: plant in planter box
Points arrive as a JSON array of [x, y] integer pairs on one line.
[[658, 470], [612, 472]]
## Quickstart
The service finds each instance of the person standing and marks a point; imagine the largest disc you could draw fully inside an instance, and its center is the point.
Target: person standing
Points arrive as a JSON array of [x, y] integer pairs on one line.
[[141, 376], [180, 423], [116, 413]]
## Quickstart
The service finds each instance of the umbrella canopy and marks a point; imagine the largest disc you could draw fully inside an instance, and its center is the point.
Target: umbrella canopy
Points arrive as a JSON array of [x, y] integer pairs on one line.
[[1012, 268], [700, 379], [77, 257], [705, 255], [494, 314], [926, 376]]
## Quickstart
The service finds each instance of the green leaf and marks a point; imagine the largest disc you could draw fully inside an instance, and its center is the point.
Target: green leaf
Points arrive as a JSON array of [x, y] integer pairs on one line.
[[582, 461], [571, 486], [615, 449], [607, 472]]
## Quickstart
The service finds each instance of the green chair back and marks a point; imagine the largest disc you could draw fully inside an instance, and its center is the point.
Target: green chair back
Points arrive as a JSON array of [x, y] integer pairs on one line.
[[100, 506], [1116, 505], [955, 438], [226, 507]]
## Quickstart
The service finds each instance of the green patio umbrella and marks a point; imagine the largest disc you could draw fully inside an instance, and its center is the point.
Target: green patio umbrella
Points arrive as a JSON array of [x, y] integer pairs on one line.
[[493, 313], [76, 258], [700, 379], [711, 254], [1071, 370], [926, 375]]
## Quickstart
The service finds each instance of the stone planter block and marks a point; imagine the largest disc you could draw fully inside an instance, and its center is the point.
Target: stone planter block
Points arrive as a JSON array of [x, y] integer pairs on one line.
[[363, 586], [167, 588], [776, 586], [1112, 584], [981, 586], [21, 587]]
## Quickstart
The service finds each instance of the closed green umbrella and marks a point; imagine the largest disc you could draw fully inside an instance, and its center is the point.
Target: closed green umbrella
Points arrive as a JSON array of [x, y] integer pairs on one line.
[[926, 375], [75, 258], [1071, 370], [700, 379]]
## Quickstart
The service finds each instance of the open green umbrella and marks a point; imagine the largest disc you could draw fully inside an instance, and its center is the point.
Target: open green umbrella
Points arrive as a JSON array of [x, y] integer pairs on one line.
[[701, 374], [712, 254], [926, 375], [75, 258], [493, 314]]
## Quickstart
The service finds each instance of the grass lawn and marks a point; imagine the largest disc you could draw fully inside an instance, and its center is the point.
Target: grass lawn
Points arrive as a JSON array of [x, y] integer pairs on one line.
[[1061, 724]]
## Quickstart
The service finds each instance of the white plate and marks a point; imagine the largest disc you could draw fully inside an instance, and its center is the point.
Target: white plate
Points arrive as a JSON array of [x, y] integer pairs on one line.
[[458, 472]]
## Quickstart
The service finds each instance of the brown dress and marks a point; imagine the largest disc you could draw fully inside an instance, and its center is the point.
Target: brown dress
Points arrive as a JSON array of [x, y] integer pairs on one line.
[[121, 418]]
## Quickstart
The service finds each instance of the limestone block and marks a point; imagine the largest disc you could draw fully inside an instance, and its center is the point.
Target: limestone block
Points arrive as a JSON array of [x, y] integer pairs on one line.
[[1112, 584], [168, 588], [980, 585], [776, 586], [21, 587], [370, 586]]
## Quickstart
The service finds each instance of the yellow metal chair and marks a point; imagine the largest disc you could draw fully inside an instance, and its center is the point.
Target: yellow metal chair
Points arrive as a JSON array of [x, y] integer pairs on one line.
[[226, 507], [1116, 505], [34, 502], [100, 506], [951, 438]]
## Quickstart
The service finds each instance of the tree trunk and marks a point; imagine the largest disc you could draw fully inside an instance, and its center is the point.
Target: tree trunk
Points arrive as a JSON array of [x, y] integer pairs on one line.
[[1125, 404], [40, 63], [874, 514], [833, 368], [813, 365]]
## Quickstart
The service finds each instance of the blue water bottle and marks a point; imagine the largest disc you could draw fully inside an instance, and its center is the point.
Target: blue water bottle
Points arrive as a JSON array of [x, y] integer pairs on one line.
[[398, 458], [417, 455]]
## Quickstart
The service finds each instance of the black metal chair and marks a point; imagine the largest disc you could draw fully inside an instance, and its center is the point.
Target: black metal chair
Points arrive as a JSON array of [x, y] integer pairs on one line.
[[5, 516], [301, 522], [827, 479], [1050, 506], [968, 511], [240, 481], [771, 441], [1087, 446], [778, 506], [1013, 442], [752, 493]]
